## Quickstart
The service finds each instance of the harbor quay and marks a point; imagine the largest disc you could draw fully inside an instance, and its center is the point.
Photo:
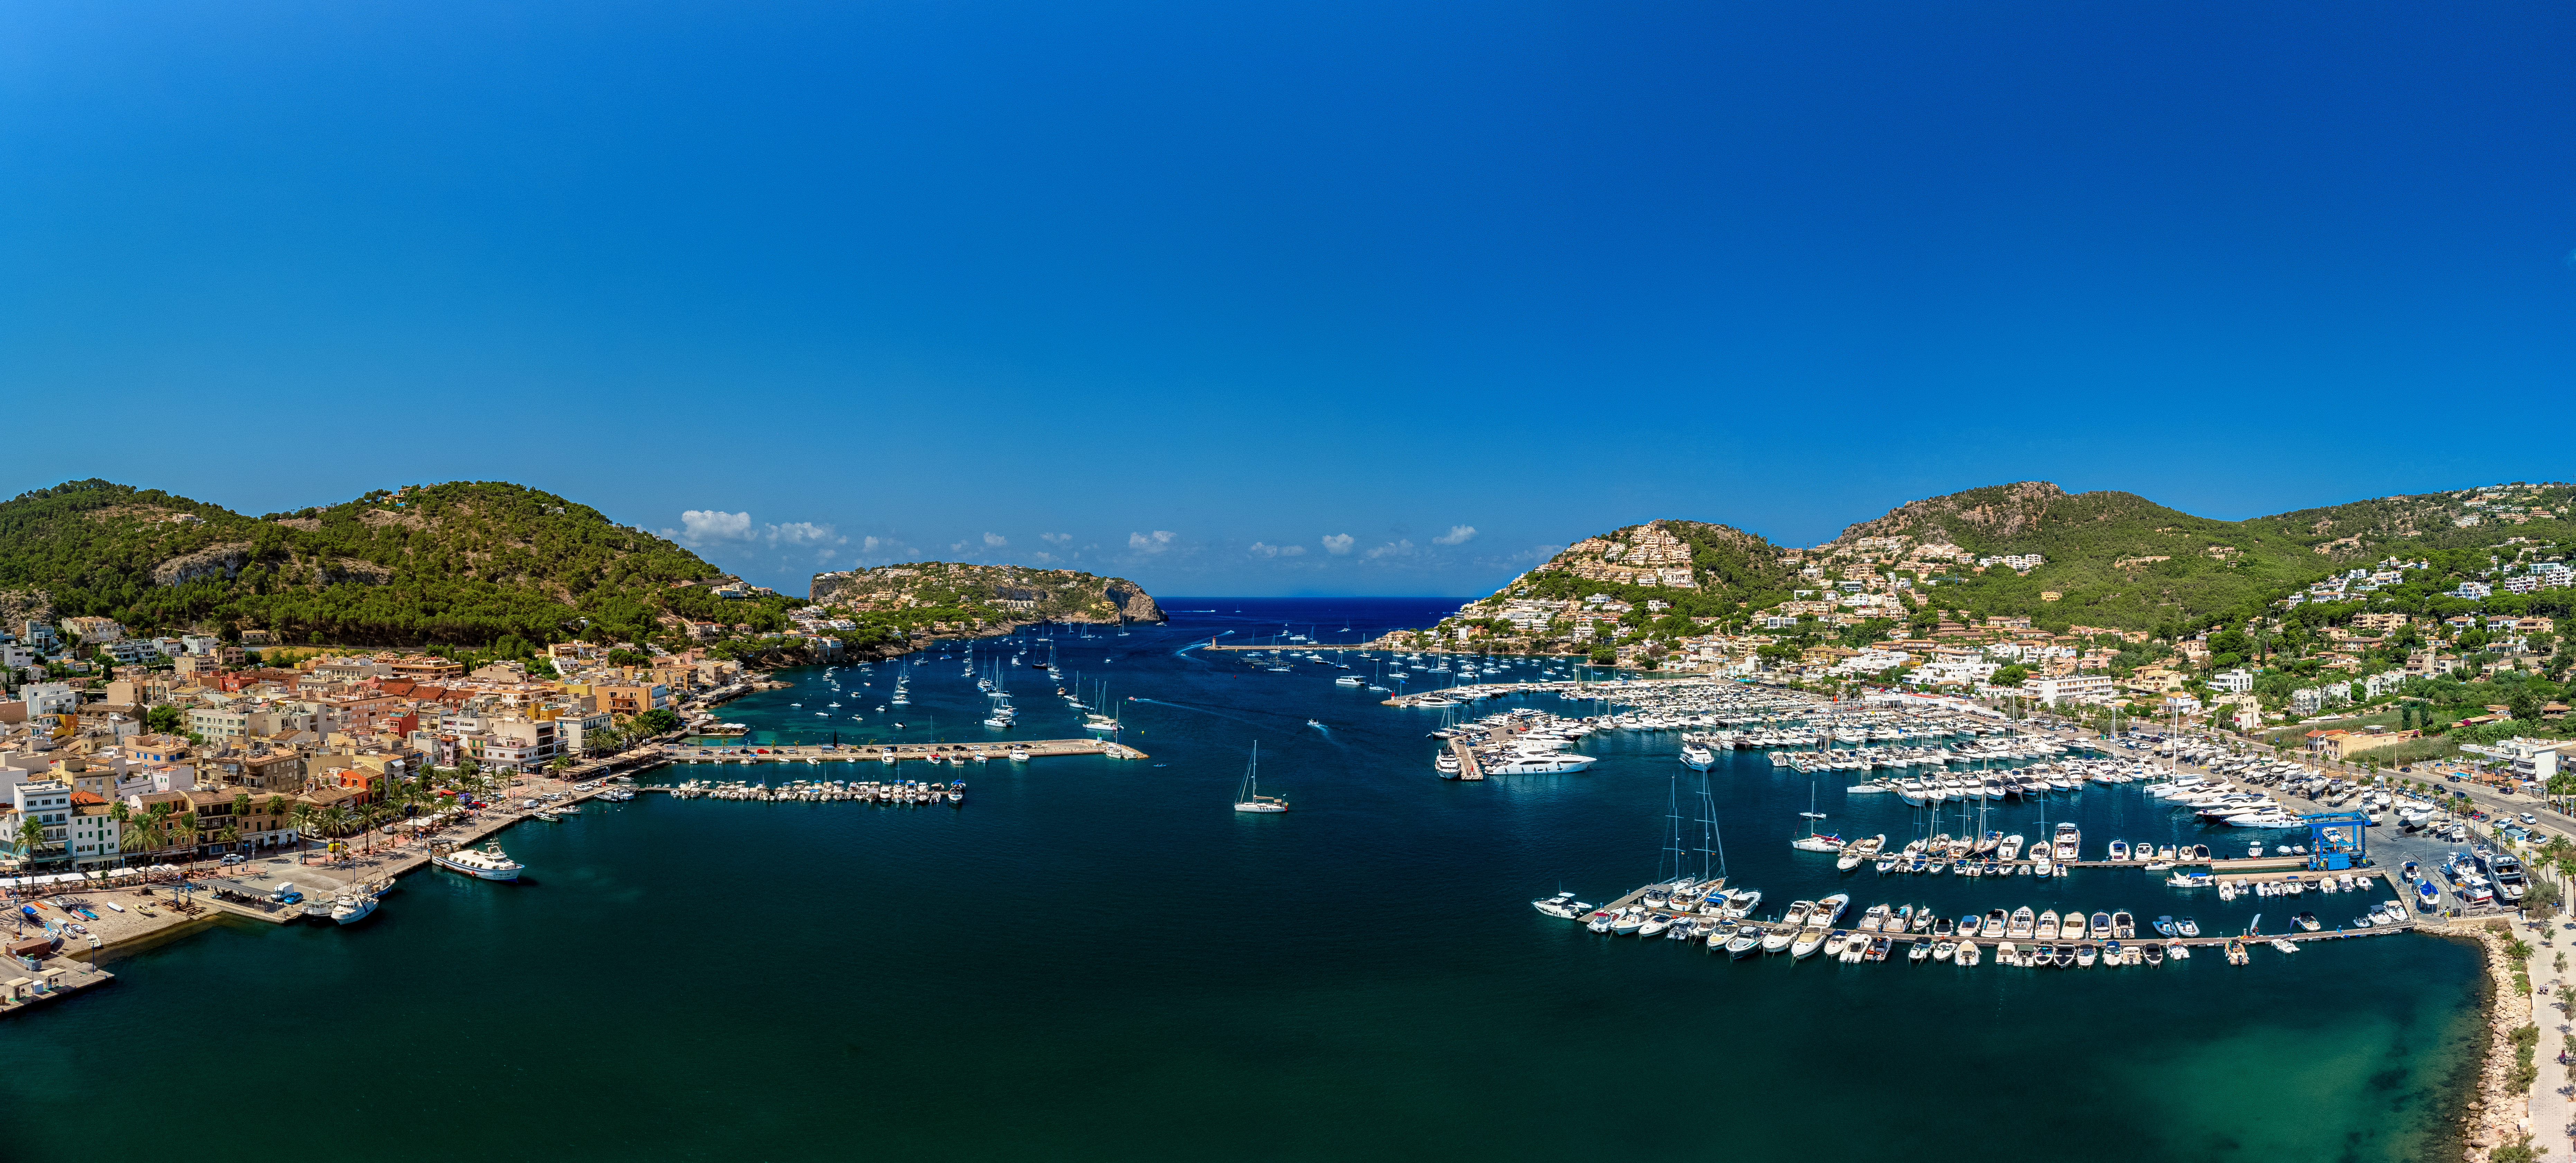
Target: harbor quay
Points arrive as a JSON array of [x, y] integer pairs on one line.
[[60, 925], [1015, 752]]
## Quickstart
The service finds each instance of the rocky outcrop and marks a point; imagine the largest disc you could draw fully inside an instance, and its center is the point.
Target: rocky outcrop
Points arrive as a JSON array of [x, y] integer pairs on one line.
[[1996, 511], [224, 561], [1135, 604], [21, 606]]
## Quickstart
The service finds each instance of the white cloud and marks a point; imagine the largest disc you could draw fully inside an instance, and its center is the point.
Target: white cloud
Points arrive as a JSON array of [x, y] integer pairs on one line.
[[1457, 535], [714, 525], [701, 527], [1261, 550], [1338, 543], [995, 541], [1057, 539], [870, 545], [1160, 540], [1042, 556], [956, 547], [1392, 548]]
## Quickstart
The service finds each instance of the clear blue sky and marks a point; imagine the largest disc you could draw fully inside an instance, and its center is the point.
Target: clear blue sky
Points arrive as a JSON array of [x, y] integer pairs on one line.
[[1193, 292]]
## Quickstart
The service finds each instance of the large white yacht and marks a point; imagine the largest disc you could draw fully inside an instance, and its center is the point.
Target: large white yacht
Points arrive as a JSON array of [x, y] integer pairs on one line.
[[1531, 761], [486, 863]]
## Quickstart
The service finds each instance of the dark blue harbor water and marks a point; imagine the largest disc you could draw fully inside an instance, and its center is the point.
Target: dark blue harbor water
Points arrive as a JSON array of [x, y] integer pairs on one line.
[[1098, 959]]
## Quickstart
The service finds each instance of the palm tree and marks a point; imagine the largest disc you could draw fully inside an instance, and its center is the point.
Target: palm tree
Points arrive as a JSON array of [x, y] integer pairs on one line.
[[335, 821], [31, 836], [301, 816]]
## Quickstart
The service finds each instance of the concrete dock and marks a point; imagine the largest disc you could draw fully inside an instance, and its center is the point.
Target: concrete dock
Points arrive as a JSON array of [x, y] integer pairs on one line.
[[902, 752]]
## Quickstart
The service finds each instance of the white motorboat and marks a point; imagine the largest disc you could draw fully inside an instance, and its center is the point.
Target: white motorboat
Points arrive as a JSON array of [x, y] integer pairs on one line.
[[485, 863], [1540, 763], [1697, 757], [352, 907], [1562, 905]]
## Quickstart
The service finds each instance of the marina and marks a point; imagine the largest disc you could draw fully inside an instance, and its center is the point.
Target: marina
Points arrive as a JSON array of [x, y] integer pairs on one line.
[[1298, 1006]]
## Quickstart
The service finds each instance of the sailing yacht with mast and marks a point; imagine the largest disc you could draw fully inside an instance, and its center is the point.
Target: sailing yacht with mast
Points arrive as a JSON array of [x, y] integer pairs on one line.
[[1813, 842], [1250, 799]]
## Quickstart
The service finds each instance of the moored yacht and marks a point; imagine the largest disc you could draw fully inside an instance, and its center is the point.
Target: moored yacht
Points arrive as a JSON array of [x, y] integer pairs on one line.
[[485, 863]]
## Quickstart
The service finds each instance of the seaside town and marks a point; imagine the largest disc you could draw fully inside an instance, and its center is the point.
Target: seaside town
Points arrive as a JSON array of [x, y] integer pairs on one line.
[[191, 748]]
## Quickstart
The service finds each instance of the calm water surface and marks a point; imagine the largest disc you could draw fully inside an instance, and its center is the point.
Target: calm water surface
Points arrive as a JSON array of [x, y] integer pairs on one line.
[[1101, 960]]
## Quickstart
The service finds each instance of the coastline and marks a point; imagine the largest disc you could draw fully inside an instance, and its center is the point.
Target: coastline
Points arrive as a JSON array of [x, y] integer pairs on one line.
[[2494, 1115]]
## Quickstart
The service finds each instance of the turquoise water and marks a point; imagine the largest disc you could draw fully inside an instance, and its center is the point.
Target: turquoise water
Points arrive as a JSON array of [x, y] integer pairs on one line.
[[1100, 960]]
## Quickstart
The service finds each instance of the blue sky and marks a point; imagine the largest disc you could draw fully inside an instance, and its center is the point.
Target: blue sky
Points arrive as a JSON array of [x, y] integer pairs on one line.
[[1360, 298]]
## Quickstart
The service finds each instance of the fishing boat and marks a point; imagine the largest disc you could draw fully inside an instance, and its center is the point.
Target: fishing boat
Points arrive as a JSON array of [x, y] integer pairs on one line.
[[353, 906], [1249, 797]]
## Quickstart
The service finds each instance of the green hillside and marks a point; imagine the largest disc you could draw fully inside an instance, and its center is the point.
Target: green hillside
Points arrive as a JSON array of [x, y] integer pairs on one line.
[[464, 563], [2114, 559], [2118, 559]]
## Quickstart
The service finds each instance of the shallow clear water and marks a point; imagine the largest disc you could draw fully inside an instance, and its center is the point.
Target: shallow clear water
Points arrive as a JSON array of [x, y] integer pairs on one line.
[[1101, 960]]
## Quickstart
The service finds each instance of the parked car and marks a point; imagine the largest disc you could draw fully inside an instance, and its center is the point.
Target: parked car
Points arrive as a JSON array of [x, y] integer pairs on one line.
[[2528, 818]]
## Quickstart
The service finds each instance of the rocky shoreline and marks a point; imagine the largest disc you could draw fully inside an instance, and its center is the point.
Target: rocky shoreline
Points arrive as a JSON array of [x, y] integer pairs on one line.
[[2497, 1116]]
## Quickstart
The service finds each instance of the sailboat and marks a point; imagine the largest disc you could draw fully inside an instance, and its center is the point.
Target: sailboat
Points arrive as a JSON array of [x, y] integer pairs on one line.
[[1250, 799], [1812, 841]]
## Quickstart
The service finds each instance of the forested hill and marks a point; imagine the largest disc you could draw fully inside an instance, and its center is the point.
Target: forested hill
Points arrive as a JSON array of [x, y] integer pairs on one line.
[[2118, 559], [2112, 558], [464, 563]]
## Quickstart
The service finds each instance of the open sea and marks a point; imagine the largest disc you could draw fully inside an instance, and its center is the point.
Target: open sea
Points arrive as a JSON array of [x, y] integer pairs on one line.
[[1098, 959]]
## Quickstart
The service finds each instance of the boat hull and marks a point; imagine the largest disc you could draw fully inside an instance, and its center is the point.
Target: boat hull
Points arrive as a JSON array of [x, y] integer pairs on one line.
[[443, 861]]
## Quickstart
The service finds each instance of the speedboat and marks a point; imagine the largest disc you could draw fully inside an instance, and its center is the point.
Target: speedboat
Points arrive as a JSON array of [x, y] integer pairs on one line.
[[2085, 954], [2048, 926], [2071, 927], [2187, 927], [1808, 941], [2024, 924], [2307, 921], [1561, 905], [2164, 926], [1747, 940]]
